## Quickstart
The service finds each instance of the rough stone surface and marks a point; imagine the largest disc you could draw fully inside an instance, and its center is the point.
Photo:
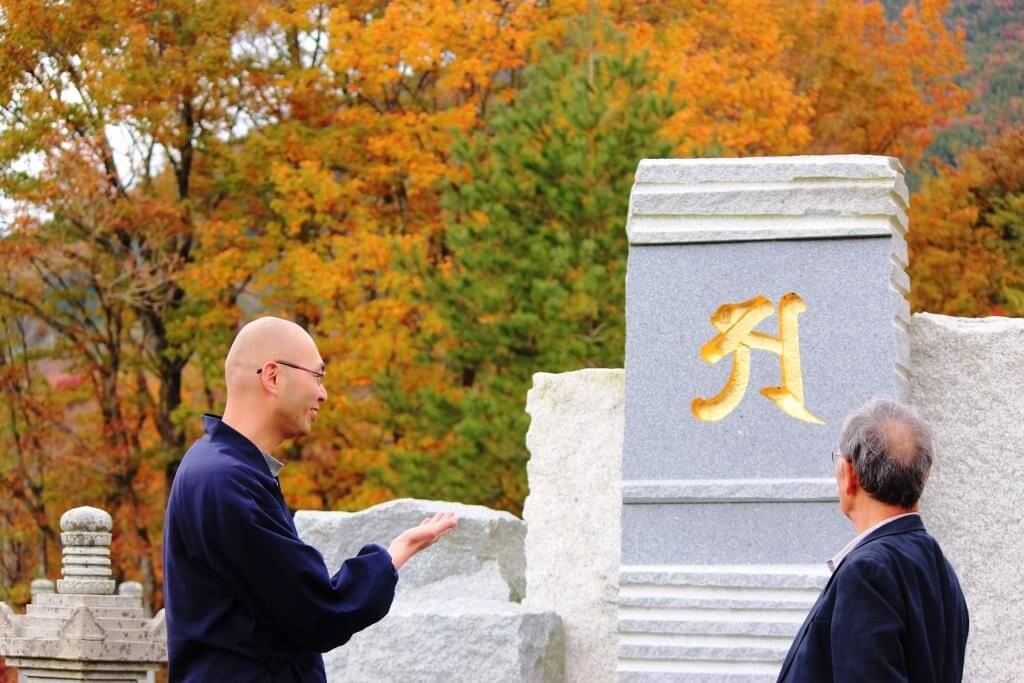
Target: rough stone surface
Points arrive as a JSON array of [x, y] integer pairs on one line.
[[966, 381], [482, 559], [7, 620], [130, 588], [83, 631], [677, 201], [573, 512], [86, 519], [456, 615], [443, 641]]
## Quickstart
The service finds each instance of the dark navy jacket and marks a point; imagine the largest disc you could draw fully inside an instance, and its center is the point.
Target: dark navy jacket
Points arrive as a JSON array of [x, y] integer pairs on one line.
[[247, 600], [892, 611]]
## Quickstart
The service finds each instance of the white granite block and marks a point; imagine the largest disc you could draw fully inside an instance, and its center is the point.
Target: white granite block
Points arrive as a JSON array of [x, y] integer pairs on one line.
[[573, 512], [966, 381]]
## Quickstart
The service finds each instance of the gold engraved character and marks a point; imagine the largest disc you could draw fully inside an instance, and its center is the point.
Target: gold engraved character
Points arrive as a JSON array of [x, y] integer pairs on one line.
[[735, 324]]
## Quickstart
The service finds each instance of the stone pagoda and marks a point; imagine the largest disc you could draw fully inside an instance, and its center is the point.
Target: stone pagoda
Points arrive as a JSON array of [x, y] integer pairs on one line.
[[86, 629]]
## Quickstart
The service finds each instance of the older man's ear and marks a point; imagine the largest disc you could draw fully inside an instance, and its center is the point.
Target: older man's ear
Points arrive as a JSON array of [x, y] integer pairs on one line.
[[848, 477]]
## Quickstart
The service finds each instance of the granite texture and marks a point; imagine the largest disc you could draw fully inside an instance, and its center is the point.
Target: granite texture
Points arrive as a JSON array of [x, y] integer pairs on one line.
[[677, 201], [761, 170], [461, 639], [847, 347], [967, 382], [748, 486], [729, 490], [711, 622], [732, 533], [573, 511], [456, 614], [83, 631], [86, 519], [483, 558]]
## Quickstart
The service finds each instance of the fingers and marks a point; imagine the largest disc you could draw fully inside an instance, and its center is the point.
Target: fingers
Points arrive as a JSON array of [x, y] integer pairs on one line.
[[441, 523]]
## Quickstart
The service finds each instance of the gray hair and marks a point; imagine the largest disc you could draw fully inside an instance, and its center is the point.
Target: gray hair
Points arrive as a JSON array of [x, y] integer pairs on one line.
[[890, 446]]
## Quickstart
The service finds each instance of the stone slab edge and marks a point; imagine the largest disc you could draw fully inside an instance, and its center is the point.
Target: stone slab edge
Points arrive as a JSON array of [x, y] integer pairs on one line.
[[677, 201], [637, 491]]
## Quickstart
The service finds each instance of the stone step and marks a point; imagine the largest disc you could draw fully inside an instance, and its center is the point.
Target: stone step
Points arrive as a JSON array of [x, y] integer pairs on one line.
[[703, 648], [711, 623], [732, 576], [696, 672], [101, 613], [796, 605], [75, 599], [698, 624]]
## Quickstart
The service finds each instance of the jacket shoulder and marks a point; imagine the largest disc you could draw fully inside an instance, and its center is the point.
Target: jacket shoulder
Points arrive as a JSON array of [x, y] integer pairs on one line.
[[896, 549], [209, 470]]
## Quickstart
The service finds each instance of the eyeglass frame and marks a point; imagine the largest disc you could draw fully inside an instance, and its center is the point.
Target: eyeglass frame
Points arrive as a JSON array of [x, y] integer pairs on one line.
[[319, 375]]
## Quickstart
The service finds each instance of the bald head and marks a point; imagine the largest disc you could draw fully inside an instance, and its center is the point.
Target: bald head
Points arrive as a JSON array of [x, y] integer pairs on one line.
[[890, 446], [900, 439], [266, 339]]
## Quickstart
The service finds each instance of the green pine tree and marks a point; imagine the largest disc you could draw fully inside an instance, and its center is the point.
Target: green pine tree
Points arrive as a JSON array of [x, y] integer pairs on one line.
[[537, 261]]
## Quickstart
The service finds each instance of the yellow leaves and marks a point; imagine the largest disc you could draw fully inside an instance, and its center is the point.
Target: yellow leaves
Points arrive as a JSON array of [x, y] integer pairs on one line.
[[877, 87], [961, 262], [392, 55]]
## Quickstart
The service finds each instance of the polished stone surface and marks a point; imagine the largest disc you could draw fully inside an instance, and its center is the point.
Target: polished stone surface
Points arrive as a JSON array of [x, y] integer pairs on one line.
[[717, 482]]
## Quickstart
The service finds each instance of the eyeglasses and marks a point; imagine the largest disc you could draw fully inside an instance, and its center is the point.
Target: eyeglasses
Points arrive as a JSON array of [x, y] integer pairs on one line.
[[835, 455], [316, 373]]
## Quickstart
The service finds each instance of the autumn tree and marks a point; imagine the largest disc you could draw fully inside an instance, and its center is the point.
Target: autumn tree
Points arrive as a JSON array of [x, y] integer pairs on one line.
[[967, 234], [994, 51], [114, 118], [341, 188], [535, 273], [794, 76], [170, 170], [876, 86]]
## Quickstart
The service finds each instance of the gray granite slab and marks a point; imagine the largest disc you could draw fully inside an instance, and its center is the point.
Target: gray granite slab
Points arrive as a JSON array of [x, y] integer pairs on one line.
[[732, 533], [846, 341]]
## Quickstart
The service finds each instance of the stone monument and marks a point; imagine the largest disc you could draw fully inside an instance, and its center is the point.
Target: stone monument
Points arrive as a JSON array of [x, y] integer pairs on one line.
[[83, 631], [765, 300]]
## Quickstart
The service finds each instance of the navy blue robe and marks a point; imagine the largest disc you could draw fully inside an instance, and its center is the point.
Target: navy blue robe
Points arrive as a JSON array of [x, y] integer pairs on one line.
[[892, 611], [246, 599]]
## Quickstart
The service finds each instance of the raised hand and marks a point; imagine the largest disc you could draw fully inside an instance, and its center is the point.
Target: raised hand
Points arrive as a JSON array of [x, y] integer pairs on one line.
[[421, 536]]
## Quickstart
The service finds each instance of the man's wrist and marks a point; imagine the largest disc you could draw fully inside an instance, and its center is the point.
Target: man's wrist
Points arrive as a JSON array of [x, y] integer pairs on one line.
[[399, 552]]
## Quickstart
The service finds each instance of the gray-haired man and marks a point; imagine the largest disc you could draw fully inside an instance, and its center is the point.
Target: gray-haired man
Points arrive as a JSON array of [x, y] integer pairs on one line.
[[893, 609]]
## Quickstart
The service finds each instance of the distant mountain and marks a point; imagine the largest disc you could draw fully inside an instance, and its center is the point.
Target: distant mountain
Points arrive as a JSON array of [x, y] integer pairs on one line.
[[995, 75]]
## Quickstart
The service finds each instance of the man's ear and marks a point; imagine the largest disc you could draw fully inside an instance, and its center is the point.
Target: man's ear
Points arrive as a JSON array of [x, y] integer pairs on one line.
[[270, 378], [850, 481]]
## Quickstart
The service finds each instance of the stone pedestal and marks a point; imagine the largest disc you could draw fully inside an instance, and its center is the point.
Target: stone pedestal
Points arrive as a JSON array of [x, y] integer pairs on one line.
[[83, 630], [764, 302]]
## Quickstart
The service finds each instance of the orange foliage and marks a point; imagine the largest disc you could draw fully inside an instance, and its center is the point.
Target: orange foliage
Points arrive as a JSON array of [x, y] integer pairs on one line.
[[967, 228], [288, 158]]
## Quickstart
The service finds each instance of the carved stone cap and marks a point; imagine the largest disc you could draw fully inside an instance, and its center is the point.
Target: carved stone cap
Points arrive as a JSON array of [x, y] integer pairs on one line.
[[86, 519], [677, 201]]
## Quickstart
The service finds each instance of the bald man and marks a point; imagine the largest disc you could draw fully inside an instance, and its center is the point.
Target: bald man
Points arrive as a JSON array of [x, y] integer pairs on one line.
[[893, 609], [245, 598]]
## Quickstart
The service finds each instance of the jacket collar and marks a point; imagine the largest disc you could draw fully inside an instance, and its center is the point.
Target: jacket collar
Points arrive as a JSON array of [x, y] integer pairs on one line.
[[902, 525], [219, 432]]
